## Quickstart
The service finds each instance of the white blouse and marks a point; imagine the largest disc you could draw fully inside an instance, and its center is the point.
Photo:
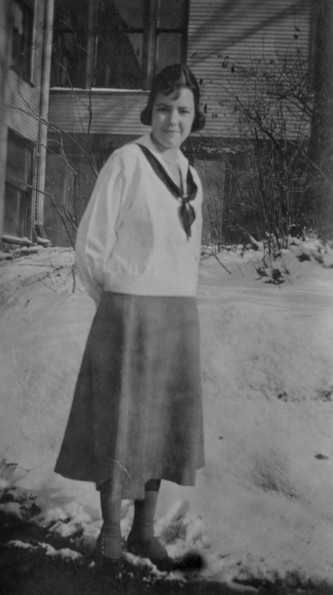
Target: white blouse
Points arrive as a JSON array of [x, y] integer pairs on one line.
[[131, 239]]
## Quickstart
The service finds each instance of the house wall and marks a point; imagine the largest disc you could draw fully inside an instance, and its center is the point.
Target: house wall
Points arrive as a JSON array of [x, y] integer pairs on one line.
[[4, 66], [66, 198], [239, 29], [113, 112], [23, 97], [221, 33], [224, 33], [20, 99]]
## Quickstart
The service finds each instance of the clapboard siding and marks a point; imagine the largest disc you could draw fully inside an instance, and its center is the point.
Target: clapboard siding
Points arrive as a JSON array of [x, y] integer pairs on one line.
[[23, 107], [112, 112], [239, 29]]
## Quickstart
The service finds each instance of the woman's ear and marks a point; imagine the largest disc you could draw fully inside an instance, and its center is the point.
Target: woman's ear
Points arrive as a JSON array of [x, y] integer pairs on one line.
[[146, 116]]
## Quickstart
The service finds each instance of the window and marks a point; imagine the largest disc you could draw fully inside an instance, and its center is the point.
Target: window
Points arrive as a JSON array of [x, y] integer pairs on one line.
[[22, 35], [17, 214], [116, 43]]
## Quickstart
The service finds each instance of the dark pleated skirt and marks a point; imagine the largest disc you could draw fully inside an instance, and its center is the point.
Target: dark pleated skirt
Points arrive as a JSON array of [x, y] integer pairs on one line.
[[137, 408]]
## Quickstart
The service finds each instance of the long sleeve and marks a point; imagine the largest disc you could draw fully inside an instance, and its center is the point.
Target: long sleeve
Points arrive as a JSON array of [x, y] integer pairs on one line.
[[97, 230], [131, 239]]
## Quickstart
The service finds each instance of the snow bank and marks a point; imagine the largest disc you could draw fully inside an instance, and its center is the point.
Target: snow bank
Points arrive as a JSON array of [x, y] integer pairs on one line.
[[262, 504]]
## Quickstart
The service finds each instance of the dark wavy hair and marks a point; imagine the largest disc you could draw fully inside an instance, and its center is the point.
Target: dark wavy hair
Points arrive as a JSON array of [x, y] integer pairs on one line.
[[169, 80]]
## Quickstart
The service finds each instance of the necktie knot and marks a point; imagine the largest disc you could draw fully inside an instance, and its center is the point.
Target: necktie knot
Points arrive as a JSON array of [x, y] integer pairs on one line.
[[187, 215]]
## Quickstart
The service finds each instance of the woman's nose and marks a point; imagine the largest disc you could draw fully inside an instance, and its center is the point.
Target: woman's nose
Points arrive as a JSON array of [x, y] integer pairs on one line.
[[173, 117]]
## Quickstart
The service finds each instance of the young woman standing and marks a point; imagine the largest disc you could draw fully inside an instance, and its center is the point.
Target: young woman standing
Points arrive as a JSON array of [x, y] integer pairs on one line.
[[136, 416]]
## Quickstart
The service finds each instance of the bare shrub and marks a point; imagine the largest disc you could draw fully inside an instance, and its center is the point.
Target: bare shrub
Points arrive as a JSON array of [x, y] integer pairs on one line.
[[266, 182]]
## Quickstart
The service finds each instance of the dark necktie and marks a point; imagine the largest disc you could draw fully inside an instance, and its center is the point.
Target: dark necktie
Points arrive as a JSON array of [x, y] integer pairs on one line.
[[186, 210]]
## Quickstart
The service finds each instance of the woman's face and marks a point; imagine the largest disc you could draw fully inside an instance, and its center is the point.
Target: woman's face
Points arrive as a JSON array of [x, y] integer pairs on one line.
[[172, 118]]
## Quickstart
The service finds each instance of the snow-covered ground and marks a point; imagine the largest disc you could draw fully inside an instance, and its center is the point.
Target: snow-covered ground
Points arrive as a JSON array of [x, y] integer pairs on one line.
[[262, 506]]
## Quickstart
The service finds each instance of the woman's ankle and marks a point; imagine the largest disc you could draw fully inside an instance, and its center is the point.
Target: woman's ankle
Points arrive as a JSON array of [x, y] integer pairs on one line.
[[108, 545]]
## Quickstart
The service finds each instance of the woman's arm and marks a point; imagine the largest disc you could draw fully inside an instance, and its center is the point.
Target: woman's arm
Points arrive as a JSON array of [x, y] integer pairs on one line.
[[97, 230]]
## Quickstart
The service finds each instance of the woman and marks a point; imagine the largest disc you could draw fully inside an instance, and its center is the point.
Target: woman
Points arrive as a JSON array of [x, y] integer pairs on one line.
[[136, 416]]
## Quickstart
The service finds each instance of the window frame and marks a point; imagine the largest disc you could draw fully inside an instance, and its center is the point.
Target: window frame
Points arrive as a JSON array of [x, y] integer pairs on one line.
[[23, 63], [150, 44], [23, 187], [150, 31]]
